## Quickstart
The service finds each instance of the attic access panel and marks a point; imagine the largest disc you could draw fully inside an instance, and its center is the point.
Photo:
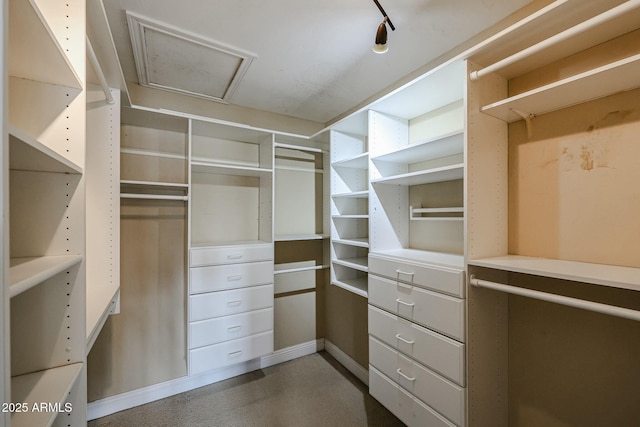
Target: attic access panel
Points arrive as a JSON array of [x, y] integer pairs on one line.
[[171, 59]]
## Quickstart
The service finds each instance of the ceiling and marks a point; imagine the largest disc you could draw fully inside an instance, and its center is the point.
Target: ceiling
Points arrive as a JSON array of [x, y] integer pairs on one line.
[[313, 59]]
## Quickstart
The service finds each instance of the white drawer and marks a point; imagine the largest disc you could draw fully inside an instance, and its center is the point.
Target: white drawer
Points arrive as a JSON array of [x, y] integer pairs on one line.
[[437, 392], [230, 352], [438, 278], [437, 352], [225, 303], [222, 277], [403, 405], [436, 311], [216, 255], [219, 329]]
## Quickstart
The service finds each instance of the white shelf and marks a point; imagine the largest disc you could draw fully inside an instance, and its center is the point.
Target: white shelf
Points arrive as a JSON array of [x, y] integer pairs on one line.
[[26, 273], [298, 147], [360, 263], [295, 169], [359, 242], [26, 153], [101, 302], [444, 259], [224, 169], [434, 148], [364, 194], [151, 153], [428, 176], [295, 237], [35, 53], [50, 386], [196, 244], [165, 185], [595, 274], [357, 286], [597, 83], [296, 270], [350, 216], [358, 162]]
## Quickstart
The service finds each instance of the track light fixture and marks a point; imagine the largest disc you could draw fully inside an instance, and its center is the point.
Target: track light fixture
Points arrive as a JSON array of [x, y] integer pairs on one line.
[[381, 35]]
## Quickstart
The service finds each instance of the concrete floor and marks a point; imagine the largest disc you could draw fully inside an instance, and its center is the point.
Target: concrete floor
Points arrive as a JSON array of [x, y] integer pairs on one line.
[[310, 391]]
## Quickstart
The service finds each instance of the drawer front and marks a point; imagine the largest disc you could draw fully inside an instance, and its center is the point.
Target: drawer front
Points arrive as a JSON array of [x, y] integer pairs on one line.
[[225, 303], [437, 352], [437, 278], [218, 255], [222, 277], [403, 405], [230, 352], [439, 312], [437, 392], [219, 329]]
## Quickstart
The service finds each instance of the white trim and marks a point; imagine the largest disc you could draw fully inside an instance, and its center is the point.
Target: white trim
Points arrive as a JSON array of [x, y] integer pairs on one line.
[[141, 396], [347, 361]]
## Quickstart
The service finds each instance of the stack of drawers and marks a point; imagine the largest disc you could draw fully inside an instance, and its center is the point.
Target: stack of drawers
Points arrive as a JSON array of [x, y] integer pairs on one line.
[[416, 341], [230, 305]]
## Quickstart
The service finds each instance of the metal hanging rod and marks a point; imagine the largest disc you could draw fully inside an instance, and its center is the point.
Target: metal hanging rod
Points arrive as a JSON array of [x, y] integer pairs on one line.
[[152, 197], [564, 35], [611, 310], [96, 66]]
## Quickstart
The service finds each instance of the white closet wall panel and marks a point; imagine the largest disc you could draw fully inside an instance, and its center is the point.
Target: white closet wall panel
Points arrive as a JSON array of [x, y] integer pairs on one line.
[[103, 208], [441, 121], [47, 323], [235, 219], [45, 112], [37, 198], [294, 319], [296, 202]]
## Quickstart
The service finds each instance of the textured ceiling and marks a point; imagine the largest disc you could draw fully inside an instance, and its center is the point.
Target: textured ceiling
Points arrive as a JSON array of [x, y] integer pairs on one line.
[[314, 59]]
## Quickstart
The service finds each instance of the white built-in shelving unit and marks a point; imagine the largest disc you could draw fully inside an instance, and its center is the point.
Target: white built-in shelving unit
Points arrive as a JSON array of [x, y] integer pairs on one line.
[[153, 156], [300, 237], [349, 210], [416, 172], [230, 245], [417, 169], [55, 299], [560, 82], [46, 212]]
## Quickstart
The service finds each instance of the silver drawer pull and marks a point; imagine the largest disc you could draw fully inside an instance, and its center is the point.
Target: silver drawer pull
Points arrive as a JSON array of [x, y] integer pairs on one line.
[[234, 303], [404, 340], [235, 353], [405, 376], [406, 273], [236, 256], [234, 328], [408, 304], [234, 278]]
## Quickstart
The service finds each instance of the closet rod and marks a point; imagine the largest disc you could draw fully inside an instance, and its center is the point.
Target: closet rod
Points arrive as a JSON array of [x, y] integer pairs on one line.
[[152, 197], [96, 66], [611, 310], [564, 35]]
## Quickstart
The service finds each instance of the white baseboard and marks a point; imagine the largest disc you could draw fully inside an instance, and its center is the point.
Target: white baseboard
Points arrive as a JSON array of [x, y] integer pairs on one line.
[[345, 360], [120, 402]]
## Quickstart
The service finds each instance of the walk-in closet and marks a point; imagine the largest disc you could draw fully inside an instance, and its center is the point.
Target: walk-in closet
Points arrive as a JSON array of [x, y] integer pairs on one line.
[[446, 234]]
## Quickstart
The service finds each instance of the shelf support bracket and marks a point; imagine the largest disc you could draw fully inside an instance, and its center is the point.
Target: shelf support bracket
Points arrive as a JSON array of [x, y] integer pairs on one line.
[[528, 119]]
